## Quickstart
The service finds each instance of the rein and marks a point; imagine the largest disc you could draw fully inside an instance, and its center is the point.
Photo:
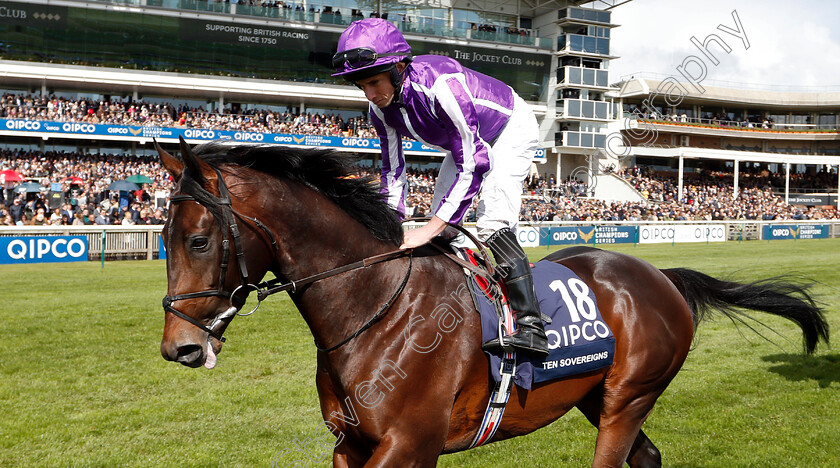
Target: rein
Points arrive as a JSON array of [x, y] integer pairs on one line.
[[270, 287], [267, 288]]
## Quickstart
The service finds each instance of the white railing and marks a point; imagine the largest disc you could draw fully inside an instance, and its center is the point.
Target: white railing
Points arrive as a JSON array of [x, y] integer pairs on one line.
[[142, 242]]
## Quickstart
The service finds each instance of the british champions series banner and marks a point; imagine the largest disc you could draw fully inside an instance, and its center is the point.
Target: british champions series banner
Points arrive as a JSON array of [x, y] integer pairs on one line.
[[588, 235], [594, 235], [791, 231]]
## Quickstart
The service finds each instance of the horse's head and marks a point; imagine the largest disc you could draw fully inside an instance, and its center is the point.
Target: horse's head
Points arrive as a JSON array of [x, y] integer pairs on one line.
[[317, 216], [207, 266]]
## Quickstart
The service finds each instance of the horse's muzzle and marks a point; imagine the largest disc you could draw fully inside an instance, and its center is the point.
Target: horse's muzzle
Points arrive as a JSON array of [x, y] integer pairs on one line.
[[188, 354]]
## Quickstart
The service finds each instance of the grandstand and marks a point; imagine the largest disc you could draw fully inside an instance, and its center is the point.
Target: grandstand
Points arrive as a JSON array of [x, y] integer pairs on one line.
[[106, 77], [791, 137], [234, 56]]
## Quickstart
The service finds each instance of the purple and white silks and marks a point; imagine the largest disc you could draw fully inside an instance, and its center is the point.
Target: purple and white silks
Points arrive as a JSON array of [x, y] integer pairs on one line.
[[454, 109]]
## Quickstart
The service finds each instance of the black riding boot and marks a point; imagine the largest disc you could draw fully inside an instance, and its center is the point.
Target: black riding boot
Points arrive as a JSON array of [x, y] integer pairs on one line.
[[516, 270]]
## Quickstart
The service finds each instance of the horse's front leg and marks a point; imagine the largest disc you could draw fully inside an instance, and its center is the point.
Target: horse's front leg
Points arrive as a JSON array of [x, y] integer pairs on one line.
[[345, 456], [407, 449]]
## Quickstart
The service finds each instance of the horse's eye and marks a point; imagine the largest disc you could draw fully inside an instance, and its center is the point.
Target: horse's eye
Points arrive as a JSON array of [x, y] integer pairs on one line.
[[199, 243]]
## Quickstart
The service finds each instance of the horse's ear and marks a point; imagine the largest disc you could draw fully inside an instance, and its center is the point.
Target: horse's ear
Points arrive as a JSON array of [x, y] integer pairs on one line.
[[193, 163], [174, 166]]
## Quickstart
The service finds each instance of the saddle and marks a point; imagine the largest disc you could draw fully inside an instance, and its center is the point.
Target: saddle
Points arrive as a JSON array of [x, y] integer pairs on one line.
[[579, 339]]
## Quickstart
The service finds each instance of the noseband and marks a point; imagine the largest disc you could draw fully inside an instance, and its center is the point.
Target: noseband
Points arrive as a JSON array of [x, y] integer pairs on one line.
[[231, 231]]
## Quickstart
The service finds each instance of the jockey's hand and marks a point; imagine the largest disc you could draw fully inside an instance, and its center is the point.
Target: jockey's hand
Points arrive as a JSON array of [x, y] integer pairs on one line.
[[422, 235]]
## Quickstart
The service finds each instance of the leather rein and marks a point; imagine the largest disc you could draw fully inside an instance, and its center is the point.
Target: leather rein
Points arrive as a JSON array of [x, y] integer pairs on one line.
[[264, 289]]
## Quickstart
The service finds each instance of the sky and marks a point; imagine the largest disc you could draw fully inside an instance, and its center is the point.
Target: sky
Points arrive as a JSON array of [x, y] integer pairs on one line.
[[792, 45]]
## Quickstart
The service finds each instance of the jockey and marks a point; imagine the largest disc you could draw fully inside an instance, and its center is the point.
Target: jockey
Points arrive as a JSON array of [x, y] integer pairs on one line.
[[489, 136]]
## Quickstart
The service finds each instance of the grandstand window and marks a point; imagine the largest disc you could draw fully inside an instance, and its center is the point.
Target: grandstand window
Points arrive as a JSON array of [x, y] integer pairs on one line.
[[754, 115], [186, 44], [592, 127], [601, 110], [196, 103], [587, 109], [828, 121], [601, 78], [52, 145], [688, 111], [23, 144], [589, 76], [466, 18], [779, 118], [801, 119], [600, 140], [571, 93], [571, 61], [575, 75], [574, 108]]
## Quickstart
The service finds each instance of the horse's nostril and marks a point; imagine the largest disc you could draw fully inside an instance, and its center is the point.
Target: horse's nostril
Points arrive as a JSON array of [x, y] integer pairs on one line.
[[190, 355]]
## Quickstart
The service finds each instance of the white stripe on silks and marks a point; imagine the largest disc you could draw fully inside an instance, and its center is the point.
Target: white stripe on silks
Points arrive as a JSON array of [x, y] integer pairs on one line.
[[408, 124], [419, 88], [432, 99], [395, 186], [492, 105], [447, 101]]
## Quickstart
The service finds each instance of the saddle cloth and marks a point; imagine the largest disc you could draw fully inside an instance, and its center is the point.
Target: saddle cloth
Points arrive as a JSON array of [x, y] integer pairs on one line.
[[579, 340]]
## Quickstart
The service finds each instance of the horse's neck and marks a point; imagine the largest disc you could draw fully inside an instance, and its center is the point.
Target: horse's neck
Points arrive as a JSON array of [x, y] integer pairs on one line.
[[323, 237]]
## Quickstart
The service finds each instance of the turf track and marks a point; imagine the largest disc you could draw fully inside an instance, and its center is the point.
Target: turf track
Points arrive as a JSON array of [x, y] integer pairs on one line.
[[82, 382]]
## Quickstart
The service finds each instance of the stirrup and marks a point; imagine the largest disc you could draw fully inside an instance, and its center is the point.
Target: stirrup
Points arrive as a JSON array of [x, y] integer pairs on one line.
[[534, 345]]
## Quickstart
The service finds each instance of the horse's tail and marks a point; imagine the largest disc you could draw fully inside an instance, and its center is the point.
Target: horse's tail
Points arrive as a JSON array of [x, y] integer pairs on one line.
[[777, 296]]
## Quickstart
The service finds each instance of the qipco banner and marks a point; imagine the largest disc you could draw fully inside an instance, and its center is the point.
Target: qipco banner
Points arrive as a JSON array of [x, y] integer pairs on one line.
[[588, 235], [680, 233], [790, 231], [43, 249], [528, 236]]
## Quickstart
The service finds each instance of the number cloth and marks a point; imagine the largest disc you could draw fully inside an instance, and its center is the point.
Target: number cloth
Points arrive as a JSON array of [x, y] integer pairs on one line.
[[578, 338]]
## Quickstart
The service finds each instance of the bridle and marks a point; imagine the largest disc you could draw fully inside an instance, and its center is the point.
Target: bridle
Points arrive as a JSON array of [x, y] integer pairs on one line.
[[266, 288], [229, 230]]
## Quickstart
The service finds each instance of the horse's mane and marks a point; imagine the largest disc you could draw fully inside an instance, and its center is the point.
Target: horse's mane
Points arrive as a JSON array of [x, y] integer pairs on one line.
[[326, 171]]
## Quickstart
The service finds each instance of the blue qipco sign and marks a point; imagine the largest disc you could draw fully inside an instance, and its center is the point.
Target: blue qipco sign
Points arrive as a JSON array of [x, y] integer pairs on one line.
[[43, 249]]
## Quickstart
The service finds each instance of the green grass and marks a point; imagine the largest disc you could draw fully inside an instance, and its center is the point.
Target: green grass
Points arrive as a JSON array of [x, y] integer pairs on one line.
[[82, 382]]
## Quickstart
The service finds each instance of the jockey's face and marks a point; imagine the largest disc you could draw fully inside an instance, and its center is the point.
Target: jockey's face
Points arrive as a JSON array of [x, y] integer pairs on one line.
[[378, 89]]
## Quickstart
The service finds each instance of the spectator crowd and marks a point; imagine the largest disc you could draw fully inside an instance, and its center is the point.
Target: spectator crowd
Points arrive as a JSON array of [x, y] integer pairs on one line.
[[83, 197], [87, 200], [138, 113], [708, 197]]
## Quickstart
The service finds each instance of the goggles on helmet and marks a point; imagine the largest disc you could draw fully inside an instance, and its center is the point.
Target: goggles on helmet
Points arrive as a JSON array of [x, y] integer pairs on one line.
[[359, 57]]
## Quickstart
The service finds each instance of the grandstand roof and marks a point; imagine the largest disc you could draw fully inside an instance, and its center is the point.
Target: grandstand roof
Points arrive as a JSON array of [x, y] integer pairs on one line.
[[733, 155], [105, 80], [736, 94]]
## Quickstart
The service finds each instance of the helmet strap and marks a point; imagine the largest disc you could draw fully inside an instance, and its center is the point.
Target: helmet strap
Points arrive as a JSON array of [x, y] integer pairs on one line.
[[397, 79]]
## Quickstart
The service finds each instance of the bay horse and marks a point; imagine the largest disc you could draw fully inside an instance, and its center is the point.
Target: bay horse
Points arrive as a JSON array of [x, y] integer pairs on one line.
[[401, 377]]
